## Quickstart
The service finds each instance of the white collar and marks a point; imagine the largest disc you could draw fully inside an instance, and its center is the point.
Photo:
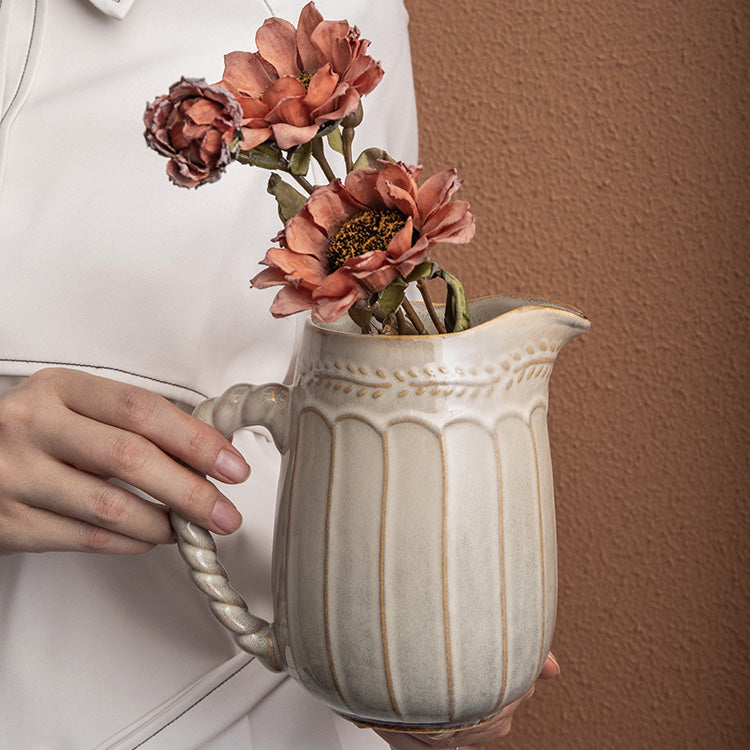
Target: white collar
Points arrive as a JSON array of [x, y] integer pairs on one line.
[[115, 8]]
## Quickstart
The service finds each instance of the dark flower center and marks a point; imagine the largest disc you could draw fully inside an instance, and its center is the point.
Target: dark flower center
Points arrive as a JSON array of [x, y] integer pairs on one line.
[[305, 77], [370, 230]]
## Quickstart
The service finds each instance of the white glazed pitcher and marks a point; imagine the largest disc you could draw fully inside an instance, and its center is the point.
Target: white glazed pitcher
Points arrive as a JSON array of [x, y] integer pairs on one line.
[[415, 566]]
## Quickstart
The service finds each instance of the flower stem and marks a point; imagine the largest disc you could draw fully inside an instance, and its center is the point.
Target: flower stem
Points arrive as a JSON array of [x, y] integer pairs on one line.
[[413, 317], [425, 292], [347, 136], [302, 181], [320, 157], [284, 167], [401, 322]]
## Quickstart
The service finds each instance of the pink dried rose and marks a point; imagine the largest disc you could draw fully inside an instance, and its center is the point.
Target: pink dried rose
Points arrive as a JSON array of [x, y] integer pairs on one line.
[[352, 239], [299, 79], [193, 125]]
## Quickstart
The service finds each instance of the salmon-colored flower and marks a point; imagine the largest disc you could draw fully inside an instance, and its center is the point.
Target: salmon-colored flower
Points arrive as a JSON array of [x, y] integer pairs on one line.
[[299, 79], [352, 239], [193, 125]]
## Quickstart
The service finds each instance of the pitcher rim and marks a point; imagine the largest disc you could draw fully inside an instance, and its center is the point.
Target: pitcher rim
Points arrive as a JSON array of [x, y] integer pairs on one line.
[[538, 304]]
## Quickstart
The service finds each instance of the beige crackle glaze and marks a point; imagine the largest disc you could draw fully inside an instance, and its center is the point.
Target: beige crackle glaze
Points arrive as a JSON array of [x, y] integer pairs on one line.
[[415, 570]]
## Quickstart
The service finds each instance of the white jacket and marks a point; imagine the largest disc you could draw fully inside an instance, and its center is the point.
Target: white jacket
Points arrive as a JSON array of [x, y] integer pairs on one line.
[[109, 268]]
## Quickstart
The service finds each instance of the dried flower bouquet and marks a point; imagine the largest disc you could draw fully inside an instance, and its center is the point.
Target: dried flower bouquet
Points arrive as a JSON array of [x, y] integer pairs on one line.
[[352, 245]]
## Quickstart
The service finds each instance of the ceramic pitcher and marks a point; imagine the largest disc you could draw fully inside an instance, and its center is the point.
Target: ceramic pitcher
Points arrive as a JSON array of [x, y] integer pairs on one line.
[[415, 568]]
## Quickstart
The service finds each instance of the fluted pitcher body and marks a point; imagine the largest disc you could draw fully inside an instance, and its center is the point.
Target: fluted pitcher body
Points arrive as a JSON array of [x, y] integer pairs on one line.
[[415, 561]]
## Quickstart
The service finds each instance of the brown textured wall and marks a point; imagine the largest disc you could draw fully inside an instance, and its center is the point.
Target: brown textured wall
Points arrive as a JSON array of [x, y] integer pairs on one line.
[[605, 150]]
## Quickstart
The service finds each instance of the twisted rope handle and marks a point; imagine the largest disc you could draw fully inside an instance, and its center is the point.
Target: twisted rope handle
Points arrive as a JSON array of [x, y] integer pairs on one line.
[[239, 406]]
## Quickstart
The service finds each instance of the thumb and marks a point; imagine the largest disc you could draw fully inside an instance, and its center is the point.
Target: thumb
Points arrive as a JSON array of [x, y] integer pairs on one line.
[[551, 668]]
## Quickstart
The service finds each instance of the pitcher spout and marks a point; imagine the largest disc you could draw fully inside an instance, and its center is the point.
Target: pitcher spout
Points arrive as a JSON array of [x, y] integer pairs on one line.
[[528, 317]]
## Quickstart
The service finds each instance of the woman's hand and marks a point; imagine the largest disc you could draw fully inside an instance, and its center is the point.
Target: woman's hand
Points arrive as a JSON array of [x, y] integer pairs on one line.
[[491, 731], [63, 433]]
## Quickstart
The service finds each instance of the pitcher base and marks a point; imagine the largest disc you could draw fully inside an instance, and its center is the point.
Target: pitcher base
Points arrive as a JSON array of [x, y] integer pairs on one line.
[[418, 728]]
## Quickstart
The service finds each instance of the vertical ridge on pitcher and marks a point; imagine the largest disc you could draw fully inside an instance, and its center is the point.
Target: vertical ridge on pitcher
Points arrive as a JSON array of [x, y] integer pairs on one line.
[[381, 570], [522, 559], [353, 595], [413, 579], [326, 561], [546, 484], [541, 548], [474, 603], [503, 595], [444, 570], [306, 574]]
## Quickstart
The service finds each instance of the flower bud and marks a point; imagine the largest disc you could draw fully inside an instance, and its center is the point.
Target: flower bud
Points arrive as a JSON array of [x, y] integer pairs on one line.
[[352, 120]]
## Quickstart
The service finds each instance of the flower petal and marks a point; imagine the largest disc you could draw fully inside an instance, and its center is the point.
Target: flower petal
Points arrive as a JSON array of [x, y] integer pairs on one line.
[[283, 88], [297, 266], [401, 175], [252, 137], [188, 175], [364, 74], [321, 88], [329, 309], [413, 256], [397, 197], [372, 271], [336, 295], [252, 109], [401, 242], [329, 207], [189, 132], [302, 236], [451, 223], [211, 145], [436, 191], [268, 277], [291, 300], [246, 73], [324, 38], [203, 111], [345, 50], [309, 18], [277, 43], [288, 136], [362, 185], [291, 111], [337, 107]]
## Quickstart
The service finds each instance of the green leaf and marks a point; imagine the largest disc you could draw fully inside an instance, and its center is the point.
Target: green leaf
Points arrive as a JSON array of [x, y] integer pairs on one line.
[[265, 156], [300, 158], [289, 200], [424, 270], [335, 141], [391, 297], [372, 157], [456, 306]]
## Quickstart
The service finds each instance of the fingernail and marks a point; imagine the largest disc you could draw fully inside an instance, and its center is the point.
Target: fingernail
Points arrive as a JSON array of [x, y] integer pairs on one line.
[[231, 467], [551, 656], [225, 517]]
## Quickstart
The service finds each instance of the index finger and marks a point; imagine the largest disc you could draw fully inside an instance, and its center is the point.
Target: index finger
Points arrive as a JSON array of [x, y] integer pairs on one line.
[[140, 411]]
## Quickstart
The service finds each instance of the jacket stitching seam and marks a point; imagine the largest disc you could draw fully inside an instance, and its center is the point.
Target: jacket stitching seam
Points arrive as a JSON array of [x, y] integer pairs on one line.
[[25, 64], [103, 367], [193, 705]]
